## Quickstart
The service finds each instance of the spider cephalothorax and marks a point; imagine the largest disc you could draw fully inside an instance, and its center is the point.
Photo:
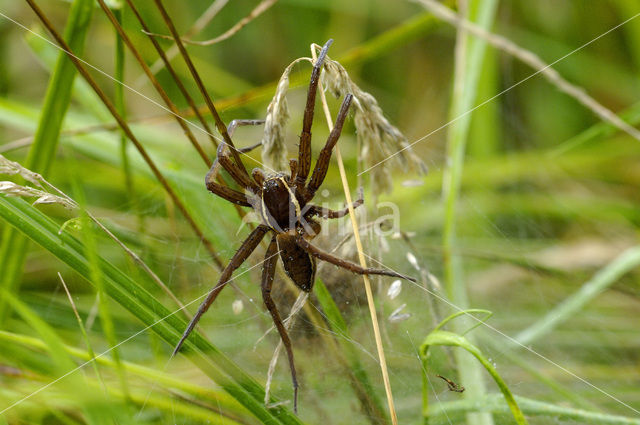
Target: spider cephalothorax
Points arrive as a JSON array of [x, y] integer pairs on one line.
[[282, 203]]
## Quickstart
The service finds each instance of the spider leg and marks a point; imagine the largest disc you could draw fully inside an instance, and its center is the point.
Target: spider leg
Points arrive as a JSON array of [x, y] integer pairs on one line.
[[243, 179], [267, 280], [224, 192], [247, 247], [329, 213], [223, 157], [231, 128], [320, 171], [304, 151], [293, 166], [337, 261]]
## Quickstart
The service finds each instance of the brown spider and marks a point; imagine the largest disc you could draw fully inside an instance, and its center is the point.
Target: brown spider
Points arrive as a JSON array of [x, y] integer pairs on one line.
[[452, 385], [281, 201]]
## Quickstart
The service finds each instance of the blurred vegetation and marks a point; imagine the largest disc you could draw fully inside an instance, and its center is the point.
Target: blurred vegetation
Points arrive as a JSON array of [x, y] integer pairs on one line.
[[543, 231]]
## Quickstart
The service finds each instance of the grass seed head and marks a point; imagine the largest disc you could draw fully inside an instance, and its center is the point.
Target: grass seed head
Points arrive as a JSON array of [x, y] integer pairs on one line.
[[377, 136]]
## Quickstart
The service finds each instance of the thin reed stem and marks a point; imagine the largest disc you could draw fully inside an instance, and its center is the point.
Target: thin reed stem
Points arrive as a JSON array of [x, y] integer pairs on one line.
[[127, 130], [361, 258]]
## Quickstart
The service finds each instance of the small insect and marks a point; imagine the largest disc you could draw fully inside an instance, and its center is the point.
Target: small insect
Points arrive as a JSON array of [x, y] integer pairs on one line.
[[452, 385], [282, 202]]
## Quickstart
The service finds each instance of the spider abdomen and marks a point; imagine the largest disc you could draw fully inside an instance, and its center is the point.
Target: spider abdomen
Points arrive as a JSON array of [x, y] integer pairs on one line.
[[299, 265]]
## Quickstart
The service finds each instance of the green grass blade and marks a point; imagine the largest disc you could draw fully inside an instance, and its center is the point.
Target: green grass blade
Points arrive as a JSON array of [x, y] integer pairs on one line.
[[152, 375], [62, 361], [467, 72], [146, 308], [90, 241], [444, 338], [14, 246], [625, 262], [83, 331], [495, 403]]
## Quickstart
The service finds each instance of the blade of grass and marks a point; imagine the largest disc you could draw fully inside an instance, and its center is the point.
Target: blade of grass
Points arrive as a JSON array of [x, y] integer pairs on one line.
[[83, 331], [91, 252], [361, 258], [149, 374], [495, 403], [146, 308], [218, 398], [125, 127], [119, 102], [450, 339], [61, 359], [625, 262], [468, 62], [13, 248]]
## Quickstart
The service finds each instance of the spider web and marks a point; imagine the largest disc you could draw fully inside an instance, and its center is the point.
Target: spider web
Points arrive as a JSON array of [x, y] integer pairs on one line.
[[534, 225]]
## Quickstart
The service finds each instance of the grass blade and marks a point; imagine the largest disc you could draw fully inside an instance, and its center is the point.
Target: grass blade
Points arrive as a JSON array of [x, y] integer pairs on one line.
[[445, 338], [625, 262], [469, 58], [495, 403], [14, 246], [145, 307]]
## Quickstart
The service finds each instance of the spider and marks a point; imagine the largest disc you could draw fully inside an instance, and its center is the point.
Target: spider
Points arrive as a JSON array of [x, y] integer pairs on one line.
[[452, 385], [282, 202]]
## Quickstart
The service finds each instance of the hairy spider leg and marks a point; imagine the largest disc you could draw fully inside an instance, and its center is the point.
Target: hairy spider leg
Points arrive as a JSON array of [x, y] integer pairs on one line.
[[224, 156], [231, 128], [222, 191], [243, 179], [225, 192], [304, 151], [247, 247], [322, 165], [329, 213], [222, 129], [267, 280], [337, 261]]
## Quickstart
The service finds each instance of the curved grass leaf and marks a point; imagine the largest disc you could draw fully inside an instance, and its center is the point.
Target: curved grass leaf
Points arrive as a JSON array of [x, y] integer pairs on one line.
[[450, 339]]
